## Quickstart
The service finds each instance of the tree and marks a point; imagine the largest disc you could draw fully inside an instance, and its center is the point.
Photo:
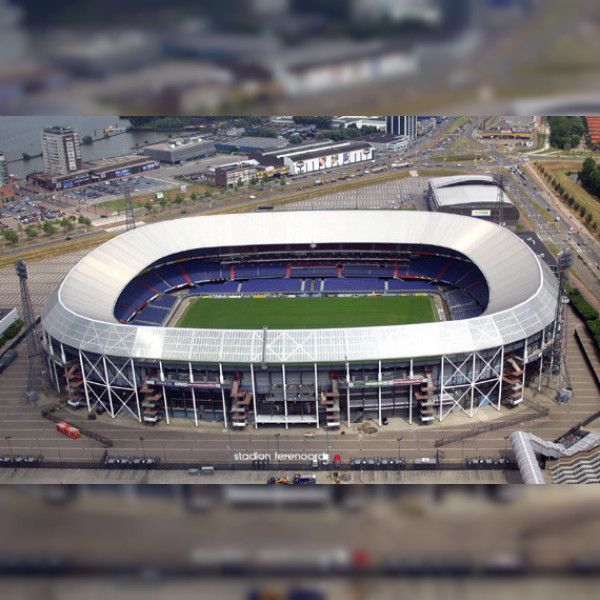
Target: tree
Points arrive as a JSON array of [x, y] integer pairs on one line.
[[10, 235], [265, 178], [321, 122], [139, 121], [82, 220], [240, 183], [31, 232], [49, 228], [179, 198], [163, 201], [66, 224], [566, 130], [295, 139], [587, 169], [148, 205], [253, 181], [193, 196]]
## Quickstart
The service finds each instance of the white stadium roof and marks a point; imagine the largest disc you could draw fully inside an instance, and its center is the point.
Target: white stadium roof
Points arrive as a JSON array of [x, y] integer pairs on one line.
[[466, 189], [523, 291]]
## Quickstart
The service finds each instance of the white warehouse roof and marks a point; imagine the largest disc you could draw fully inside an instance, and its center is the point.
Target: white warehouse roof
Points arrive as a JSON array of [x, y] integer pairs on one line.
[[466, 189], [523, 291]]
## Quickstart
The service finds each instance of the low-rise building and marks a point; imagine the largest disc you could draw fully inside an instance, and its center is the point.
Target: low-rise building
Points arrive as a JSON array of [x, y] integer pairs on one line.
[[386, 142], [249, 144], [359, 122], [94, 171], [181, 149], [228, 176], [511, 128], [318, 156], [472, 196]]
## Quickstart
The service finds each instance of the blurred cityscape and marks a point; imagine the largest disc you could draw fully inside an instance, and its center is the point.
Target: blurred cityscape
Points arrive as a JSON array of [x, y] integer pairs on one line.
[[255, 542], [299, 57]]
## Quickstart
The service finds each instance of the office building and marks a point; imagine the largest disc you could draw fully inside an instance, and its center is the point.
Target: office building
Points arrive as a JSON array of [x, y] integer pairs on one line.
[[61, 150], [4, 177], [7, 193], [402, 126]]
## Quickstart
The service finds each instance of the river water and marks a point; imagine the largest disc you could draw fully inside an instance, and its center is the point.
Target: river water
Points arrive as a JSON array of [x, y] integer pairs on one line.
[[22, 134]]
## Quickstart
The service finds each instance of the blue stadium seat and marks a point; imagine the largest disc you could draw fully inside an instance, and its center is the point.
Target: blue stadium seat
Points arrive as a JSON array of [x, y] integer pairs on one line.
[[354, 284], [272, 285]]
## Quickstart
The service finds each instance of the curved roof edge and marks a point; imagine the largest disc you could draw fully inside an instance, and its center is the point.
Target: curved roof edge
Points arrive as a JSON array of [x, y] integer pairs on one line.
[[523, 292]]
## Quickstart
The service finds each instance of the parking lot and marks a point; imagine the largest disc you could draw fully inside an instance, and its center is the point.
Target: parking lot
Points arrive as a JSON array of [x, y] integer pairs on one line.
[[113, 190], [406, 193], [27, 213]]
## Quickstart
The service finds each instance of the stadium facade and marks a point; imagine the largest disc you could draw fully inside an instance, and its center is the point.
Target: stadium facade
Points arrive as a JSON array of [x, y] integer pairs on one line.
[[108, 343]]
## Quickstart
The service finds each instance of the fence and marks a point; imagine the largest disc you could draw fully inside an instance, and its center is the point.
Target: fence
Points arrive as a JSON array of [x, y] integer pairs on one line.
[[541, 411], [194, 468]]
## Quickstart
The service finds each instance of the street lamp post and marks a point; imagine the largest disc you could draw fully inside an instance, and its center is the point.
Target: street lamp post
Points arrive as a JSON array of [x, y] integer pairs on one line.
[[399, 440], [8, 438], [143, 450]]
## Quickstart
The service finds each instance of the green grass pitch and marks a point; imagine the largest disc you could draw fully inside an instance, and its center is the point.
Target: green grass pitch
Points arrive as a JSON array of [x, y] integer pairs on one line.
[[307, 313]]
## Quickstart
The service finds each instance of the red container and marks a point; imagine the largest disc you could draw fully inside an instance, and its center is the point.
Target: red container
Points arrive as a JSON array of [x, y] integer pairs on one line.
[[68, 430]]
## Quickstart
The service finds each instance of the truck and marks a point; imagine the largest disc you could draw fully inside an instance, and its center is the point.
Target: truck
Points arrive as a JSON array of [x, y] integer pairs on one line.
[[300, 479]]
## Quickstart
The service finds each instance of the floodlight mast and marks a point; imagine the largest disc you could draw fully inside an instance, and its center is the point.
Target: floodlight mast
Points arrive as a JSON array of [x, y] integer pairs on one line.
[[129, 218], [33, 349], [558, 357]]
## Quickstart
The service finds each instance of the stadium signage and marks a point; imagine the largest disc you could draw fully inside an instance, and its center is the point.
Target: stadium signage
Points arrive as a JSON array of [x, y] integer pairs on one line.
[[386, 383], [481, 212], [292, 456], [186, 384]]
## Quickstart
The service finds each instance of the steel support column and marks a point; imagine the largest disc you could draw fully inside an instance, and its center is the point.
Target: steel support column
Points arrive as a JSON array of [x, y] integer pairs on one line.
[[442, 387], [473, 377], [135, 389], [254, 396], [285, 407], [164, 393], [85, 385], [191, 374], [108, 389], [222, 381], [316, 395], [379, 389], [410, 393]]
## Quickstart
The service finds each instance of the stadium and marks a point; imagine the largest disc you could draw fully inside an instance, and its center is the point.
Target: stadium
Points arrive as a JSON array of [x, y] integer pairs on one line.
[[312, 318]]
